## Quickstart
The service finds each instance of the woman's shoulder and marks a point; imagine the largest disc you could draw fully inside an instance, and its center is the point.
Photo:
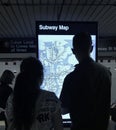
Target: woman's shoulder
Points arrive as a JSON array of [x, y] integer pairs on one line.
[[49, 96], [47, 92]]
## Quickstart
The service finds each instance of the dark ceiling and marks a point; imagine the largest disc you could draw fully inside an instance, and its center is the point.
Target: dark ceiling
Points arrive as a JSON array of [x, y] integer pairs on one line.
[[17, 17]]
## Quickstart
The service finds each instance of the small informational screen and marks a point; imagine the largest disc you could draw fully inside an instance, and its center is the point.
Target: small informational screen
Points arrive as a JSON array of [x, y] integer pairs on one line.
[[17, 48], [54, 41]]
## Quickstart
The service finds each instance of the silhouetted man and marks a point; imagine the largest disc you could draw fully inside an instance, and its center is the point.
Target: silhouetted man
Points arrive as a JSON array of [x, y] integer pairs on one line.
[[86, 90]]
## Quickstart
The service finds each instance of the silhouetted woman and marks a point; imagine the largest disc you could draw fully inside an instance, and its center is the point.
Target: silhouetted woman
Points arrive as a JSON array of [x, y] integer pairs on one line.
[[30, 108]]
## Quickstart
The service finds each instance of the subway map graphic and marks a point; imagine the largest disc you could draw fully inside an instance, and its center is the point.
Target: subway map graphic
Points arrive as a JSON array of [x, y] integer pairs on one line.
[[57, 58]]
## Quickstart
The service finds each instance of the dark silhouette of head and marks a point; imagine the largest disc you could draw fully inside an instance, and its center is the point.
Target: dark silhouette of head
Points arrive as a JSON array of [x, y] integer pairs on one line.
[[82, 45], [7, 77], [32, 67], [26, 91]]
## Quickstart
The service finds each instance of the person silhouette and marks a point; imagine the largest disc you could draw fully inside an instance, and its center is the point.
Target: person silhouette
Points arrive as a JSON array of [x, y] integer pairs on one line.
[[6, 80], [30, 107], [86, 91]]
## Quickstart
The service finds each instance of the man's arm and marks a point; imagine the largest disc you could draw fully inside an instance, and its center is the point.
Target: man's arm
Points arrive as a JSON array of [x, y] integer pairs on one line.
[[65, 96]]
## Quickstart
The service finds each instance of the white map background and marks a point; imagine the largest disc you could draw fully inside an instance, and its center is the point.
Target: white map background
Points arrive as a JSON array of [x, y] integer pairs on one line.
[[57, 58]]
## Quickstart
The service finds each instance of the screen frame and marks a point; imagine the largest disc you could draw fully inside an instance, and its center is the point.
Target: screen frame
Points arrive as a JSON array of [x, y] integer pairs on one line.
[[91, 27]]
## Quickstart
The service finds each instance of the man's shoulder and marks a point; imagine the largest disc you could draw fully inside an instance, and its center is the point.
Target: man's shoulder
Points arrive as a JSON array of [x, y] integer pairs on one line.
[[70, 76], [73, 72], [101, 67]]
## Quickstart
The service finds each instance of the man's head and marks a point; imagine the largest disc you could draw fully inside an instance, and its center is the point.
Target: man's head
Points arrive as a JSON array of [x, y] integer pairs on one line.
[[82, 45]]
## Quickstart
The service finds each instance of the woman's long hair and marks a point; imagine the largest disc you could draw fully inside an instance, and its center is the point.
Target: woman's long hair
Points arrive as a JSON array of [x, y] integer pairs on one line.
[[26, 91]]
